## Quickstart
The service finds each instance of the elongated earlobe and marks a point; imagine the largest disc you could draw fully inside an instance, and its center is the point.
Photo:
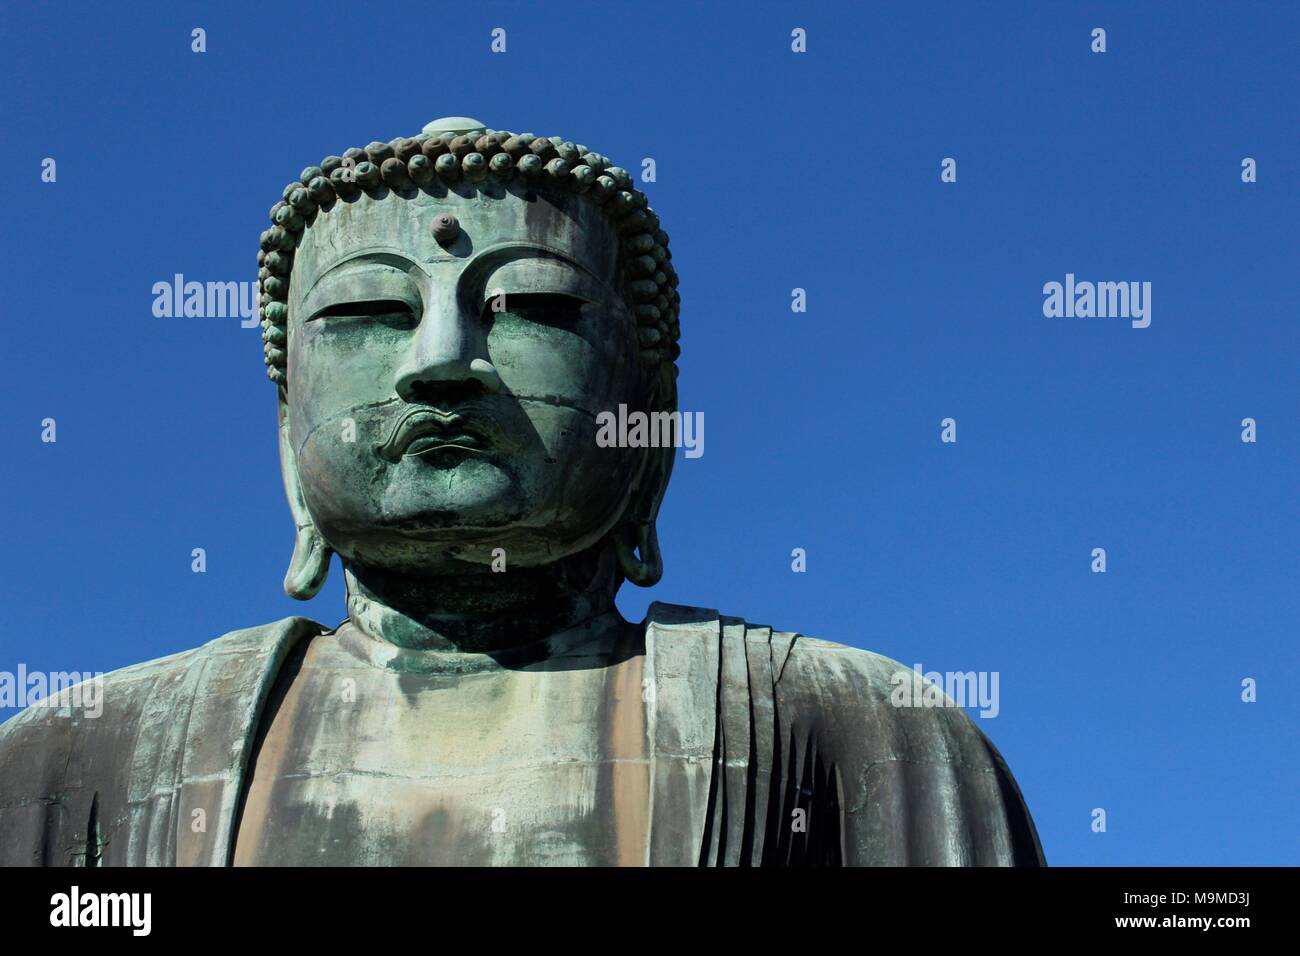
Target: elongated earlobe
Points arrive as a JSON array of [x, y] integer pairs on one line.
[[644, 569], [310, 564], [636, 539]]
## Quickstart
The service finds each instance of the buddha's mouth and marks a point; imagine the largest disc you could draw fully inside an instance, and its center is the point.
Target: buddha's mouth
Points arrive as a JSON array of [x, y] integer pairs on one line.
[[431, 445], [426, 432]]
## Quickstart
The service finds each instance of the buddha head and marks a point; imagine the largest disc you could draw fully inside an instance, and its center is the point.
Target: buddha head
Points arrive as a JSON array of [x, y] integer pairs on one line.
[[444, 317]]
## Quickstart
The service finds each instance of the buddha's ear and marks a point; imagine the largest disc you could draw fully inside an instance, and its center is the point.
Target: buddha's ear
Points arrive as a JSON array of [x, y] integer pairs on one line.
[[636, 539], [310, 563]]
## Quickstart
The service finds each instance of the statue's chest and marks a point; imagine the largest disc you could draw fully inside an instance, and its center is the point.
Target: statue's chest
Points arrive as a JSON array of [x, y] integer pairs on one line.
[[358, 765]]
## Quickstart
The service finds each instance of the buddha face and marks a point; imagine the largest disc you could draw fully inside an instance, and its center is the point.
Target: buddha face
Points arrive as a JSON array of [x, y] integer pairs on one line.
[[445, 376]]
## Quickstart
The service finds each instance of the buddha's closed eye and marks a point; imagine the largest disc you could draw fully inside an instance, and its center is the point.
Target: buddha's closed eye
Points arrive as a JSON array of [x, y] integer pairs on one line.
[[392, 312], [550, 308], [547, 308]]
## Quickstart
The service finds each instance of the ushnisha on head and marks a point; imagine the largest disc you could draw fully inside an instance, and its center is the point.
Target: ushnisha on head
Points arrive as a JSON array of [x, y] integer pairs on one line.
[[445, 316]]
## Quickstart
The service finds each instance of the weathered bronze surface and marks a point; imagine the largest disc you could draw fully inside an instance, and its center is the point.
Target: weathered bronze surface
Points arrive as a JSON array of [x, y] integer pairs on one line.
[[444, 316]]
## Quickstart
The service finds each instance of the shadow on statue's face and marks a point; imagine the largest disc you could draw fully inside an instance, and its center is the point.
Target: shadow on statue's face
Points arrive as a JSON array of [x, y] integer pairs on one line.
[[442, 395]]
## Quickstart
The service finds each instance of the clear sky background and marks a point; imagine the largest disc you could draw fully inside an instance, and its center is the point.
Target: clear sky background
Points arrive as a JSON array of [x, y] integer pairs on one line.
[[775, 170]]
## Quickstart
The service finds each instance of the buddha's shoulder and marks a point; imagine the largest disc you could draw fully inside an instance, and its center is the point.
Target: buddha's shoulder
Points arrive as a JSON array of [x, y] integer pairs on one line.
[[850, 663], [824, 676], [876, 708], [114, 704], [843, 694], [797, 659]]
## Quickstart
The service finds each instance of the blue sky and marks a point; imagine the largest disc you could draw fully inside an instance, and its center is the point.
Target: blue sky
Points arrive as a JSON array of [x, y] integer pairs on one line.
[[775, 170]]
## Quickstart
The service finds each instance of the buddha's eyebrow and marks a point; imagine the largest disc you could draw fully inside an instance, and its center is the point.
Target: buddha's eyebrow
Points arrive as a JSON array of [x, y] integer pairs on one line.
[[381, 257], [514, 249]]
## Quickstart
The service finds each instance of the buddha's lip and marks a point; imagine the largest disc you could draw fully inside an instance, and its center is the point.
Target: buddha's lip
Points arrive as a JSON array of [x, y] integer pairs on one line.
[[445, 430], [432, 444]]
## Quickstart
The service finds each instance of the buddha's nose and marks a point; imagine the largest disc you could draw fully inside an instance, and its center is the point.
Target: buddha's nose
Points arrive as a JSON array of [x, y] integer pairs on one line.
[[449, 353]]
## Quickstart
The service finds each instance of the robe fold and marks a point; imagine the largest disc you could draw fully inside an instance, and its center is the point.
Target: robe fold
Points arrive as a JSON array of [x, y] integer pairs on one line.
[[765, 748]]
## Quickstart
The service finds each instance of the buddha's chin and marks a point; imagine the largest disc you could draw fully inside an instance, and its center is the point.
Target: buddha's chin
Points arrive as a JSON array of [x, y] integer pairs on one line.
[[476, 514], [445, 537], [424, 550], [450, 516], [448, 529], [459, 493]]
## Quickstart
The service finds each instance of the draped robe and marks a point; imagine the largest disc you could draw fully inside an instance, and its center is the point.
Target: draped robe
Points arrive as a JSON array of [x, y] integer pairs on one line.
[[764, 748]]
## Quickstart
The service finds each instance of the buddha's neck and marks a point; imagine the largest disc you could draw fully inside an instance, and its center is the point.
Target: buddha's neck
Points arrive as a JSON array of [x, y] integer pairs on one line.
[[483, 613]]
